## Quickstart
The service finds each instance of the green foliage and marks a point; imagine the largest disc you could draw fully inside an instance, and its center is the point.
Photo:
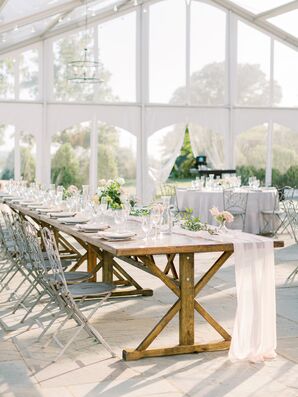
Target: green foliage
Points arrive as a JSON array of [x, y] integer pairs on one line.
[[112, 191], [289, 178], [193, 223], [126, 163], [8, 169], [65, 167], [107, 164], [185, 160], [27, 164], [140, 211]]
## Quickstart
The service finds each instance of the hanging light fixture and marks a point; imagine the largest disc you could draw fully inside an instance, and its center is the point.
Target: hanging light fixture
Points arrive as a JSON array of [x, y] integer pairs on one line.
[[84, 70]]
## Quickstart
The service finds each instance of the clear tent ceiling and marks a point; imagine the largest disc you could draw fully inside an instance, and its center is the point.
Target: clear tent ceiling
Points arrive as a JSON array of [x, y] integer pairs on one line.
[[22, 20]]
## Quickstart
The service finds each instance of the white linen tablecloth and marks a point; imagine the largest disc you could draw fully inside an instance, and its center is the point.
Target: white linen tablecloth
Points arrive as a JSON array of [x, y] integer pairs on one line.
[[202, 201], [254, 331]]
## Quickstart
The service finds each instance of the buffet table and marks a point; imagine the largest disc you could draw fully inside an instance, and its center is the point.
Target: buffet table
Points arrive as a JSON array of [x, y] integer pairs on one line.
[[202, 200], [179, 277]]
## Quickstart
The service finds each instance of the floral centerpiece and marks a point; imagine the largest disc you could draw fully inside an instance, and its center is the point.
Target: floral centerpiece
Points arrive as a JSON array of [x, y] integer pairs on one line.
[[221, 217], [193, 223], [112, 190]]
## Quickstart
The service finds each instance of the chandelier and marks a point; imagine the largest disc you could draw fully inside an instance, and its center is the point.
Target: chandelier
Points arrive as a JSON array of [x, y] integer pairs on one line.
[[84, 70]]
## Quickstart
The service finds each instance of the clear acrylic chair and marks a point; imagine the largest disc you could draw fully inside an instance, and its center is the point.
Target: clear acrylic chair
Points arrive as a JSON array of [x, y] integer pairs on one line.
[[72, 296], [236, 203]]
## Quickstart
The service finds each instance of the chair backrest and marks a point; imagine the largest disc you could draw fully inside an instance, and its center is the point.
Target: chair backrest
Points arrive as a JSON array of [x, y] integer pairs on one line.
[[54, 258], [8, 226], [35, 252], [167, 189], [286, 193], [21, 241], [291, 208], [235, 201]]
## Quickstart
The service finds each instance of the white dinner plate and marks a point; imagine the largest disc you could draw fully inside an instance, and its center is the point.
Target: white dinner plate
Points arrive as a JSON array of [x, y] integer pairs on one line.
[[58, 214], [73, 220], [46, 210], [34, 206], [117, 236], [92, 228]]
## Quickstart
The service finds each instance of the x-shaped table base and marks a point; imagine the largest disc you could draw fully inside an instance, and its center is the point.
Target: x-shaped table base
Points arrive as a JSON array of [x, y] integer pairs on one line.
[[186, 290]]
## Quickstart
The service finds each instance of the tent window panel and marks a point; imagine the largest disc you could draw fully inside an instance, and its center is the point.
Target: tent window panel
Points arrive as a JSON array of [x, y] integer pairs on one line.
[[167, 60]]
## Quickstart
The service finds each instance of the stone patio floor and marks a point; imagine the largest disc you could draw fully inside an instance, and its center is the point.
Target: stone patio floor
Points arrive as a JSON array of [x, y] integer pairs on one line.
[[87, 370]]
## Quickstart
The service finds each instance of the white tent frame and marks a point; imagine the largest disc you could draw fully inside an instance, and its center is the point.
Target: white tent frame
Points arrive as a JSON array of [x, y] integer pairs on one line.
[[143, 118]]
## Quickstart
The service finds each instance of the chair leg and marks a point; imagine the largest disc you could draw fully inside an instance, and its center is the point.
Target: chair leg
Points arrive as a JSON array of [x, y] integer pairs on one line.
[[292, 276], [85, 324]]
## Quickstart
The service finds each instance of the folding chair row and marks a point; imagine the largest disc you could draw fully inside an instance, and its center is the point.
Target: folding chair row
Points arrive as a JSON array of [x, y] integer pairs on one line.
[[62, 293]]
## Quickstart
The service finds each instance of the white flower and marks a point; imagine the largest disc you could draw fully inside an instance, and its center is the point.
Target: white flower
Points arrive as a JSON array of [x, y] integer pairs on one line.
[[121, 181]]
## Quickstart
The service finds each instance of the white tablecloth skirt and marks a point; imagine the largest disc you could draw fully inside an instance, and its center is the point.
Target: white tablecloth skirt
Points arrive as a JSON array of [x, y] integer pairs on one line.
[[202, 201]]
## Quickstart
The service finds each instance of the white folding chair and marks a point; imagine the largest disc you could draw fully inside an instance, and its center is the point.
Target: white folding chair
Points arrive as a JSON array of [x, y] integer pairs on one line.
[[276, 220], [291, 208], [68, 294], [236, 203]]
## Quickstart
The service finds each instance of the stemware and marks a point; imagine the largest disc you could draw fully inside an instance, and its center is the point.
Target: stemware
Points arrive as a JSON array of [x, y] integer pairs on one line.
[[155, 218], [146, 225], [59, 194], [119, 218], [103, 206]]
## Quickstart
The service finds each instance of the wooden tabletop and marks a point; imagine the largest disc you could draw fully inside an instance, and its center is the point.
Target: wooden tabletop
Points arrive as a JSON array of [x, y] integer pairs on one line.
[[165, 244]]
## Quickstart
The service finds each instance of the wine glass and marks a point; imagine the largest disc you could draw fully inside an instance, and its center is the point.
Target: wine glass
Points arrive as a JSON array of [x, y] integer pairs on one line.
[[103, 206], [146, 225], [119, 218], [59, 194], [155, 218]]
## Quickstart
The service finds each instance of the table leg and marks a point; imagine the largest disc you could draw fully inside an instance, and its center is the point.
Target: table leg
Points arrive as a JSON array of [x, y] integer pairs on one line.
[[91, 261], [187, 295], [107, 267]]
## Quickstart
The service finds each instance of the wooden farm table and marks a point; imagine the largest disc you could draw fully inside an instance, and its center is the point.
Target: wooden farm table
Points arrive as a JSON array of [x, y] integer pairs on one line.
[[104, 255]]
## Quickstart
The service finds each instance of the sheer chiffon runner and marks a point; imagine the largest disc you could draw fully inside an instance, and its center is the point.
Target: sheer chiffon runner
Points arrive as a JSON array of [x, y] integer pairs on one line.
[[254, 332]]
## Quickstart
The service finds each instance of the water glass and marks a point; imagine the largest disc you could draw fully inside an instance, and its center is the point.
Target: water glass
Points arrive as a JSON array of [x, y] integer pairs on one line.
[[146, 225], [119, 218], [103, 206], [59, 194], [155, 217]]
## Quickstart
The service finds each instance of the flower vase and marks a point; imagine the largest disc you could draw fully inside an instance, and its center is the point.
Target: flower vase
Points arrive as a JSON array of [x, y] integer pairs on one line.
[[222, 227]]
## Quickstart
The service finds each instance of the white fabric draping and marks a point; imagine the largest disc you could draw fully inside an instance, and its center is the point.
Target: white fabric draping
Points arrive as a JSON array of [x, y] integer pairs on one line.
[[254, 331], [163, 149], [206, 142]]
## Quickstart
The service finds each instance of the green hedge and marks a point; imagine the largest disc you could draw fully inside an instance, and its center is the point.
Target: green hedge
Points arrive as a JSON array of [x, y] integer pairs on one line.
[[289, 178]]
